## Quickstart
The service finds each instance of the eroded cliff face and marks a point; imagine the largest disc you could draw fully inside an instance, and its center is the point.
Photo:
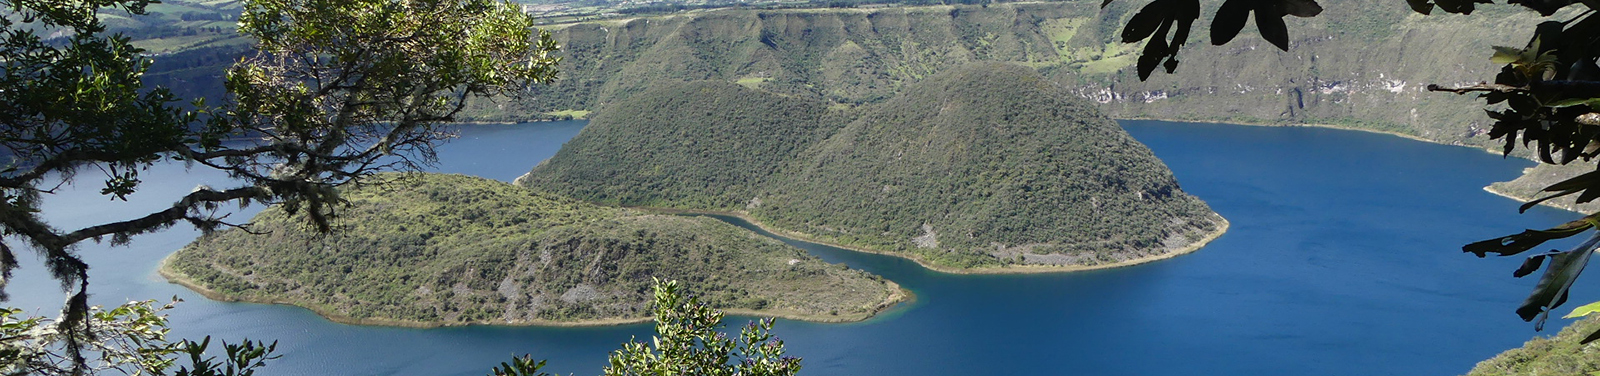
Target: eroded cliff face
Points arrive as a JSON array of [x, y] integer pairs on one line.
[[1362, 64], [1340, 70]]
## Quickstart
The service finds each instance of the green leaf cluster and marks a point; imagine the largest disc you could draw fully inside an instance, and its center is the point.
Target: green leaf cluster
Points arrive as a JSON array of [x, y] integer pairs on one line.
[[335, 92], [687, 343], [129, 339]]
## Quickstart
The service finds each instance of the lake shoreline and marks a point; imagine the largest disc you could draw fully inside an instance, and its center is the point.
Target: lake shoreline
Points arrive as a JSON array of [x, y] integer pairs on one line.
[[1222, 228], [896, 295], [1550, 204], [1308, 125]]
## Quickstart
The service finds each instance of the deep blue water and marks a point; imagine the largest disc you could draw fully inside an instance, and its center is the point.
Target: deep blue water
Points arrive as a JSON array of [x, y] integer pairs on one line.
[[1343, 259]]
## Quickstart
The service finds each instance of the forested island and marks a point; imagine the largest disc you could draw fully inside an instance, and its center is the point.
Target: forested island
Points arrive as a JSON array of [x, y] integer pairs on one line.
[[435, 249], [985, 168]]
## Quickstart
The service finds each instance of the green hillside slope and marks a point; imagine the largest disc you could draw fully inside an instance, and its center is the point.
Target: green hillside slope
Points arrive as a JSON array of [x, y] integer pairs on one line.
[[704, 144], [450, 250], [1558, 355], [987, 165], [980, 167]]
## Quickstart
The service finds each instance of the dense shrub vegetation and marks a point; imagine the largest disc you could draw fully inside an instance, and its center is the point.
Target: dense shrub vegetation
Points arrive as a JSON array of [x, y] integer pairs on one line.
[[661, 149], [1560, 354], [450, 249], [986, 165]]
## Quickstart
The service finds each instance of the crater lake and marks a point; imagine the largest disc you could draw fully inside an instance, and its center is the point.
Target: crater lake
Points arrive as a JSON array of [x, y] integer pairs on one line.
[[1343, 259]]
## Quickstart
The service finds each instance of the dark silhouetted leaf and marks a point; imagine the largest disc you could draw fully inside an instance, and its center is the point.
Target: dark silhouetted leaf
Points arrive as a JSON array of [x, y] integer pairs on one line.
[[1229, 21], [1298, 8], [1152, 17], [1544, 7], [1420, 6], [1455, 6], [1590, 338], [1566, 102], [1553, 286], [1528, 266], [1154, 52], [1272, 27], [1514, 244], [1103, 4], [1588, 195], [1530, 204], [1162, 14], [1583, 70], [1586, 180], [1186, 13]]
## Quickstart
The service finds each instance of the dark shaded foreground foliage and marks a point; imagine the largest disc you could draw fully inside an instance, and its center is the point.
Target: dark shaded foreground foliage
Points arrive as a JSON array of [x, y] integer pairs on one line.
[[131, 339]]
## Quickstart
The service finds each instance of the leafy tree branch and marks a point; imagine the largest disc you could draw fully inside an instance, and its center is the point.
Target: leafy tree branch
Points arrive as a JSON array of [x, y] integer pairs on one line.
[[336, 91]]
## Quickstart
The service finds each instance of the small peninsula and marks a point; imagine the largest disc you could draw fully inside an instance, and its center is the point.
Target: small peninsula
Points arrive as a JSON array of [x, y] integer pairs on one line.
[[1530, 186], [438, 250], [985, 168]]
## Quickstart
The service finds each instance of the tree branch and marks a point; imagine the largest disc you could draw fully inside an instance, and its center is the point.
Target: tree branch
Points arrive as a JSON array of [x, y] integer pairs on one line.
[[178, 211], [1479, 87], [63, 161], [1565, 88]]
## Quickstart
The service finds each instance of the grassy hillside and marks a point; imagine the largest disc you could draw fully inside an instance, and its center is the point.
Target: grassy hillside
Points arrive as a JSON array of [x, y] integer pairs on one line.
[[1548, 356], [987, 165], [704, 144], [448, 249], [983, 166], [190, 42]]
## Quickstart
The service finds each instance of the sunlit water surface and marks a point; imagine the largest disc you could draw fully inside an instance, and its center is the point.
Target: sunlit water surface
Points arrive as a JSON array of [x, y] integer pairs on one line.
[[1343, 259]]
